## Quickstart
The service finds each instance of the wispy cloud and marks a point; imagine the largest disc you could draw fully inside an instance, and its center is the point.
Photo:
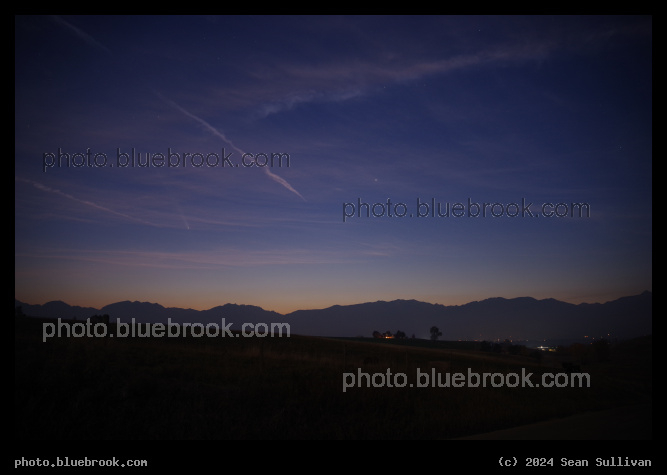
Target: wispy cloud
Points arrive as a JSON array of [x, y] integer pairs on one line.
[[210, 259], [294, 99], [345, 80]]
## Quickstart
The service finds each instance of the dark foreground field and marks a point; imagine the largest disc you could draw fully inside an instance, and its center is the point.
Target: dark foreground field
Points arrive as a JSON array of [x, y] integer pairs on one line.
[[292, 388]]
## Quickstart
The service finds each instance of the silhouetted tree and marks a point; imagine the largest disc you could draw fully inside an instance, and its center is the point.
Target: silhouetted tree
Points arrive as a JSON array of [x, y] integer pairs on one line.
[[435, 333], [399, 334], [377, 334]]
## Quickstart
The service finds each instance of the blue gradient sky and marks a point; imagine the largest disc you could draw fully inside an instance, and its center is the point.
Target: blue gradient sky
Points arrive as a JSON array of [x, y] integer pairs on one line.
[[492, 109]]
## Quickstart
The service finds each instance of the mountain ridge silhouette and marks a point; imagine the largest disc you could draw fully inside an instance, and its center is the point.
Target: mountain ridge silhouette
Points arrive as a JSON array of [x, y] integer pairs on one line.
[[520, 318]]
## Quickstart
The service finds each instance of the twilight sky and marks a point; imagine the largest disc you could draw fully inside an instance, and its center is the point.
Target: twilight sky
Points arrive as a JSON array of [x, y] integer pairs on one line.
[[495, 110]]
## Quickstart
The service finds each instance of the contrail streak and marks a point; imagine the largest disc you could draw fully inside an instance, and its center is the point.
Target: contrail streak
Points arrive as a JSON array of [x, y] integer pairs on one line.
[[283, 182], [81, 34], [219, 134], [48, 189], [92, 41]]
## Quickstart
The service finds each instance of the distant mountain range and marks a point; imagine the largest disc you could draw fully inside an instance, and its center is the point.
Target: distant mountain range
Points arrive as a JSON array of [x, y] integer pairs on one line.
[[523, 318]]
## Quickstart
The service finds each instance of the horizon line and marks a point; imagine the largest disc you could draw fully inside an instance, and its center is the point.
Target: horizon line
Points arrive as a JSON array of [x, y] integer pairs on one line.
[[337, 305]]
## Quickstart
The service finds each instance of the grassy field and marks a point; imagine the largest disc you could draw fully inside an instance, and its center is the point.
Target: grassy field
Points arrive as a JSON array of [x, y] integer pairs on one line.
[[290, 388]]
